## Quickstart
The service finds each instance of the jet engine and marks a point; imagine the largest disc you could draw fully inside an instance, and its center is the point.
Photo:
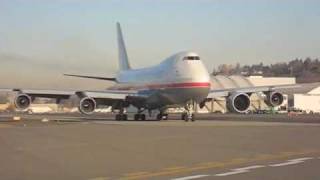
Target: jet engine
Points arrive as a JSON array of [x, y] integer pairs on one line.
[[238, 102], [22, 101], [87, 105], [273, 98]]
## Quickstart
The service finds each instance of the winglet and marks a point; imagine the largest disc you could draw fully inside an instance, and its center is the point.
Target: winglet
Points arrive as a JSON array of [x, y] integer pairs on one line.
[[123, 57]]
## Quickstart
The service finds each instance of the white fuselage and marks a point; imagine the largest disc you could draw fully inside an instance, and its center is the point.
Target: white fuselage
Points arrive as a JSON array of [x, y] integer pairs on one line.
[[174, 81]]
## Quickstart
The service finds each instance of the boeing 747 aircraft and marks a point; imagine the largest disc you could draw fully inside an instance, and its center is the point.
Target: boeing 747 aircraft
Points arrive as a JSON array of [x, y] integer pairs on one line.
[[181, 80]]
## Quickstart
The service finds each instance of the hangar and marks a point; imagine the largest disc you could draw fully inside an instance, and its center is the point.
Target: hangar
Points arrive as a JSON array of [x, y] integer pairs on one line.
[[308, 102]]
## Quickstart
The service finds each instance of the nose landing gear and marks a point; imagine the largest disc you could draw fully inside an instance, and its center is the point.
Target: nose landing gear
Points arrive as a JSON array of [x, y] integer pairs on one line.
[[188, 115]]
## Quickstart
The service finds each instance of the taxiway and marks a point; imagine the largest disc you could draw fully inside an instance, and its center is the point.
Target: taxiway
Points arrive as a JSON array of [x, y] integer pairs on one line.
[[72, 147]]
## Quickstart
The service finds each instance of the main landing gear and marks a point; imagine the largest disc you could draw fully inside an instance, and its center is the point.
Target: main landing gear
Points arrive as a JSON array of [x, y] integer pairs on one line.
[[188, 115], [121, 116], [139, 117]]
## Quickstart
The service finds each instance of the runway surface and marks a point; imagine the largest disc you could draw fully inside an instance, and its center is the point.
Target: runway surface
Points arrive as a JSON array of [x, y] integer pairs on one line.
[[75, 147]]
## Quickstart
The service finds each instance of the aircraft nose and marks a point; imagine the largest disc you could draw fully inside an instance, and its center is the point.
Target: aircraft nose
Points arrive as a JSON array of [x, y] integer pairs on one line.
[[199, 72]]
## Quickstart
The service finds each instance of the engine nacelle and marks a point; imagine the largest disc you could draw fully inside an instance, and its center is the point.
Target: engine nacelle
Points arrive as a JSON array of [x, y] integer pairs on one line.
[[273, 99], [22, 101], [238, 102], [87, 105]]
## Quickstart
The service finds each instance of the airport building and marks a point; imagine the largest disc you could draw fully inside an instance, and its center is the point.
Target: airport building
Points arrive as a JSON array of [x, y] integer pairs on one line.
[[308, 102]]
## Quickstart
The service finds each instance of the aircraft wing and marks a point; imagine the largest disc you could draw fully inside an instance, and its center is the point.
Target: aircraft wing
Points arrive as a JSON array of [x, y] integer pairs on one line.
[[6, 89], [226, 92], [89, 100], [65, 94]]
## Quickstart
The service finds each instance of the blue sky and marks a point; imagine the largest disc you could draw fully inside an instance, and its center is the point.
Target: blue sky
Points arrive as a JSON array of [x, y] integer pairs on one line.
[[78, 36]]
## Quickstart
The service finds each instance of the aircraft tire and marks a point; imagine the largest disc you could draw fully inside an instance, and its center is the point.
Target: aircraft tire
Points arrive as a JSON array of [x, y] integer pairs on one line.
[[124, 117], [136, 117], [117, 117], [183, 116], [142, 117], [159, 117], [193, 118], [121, 117]]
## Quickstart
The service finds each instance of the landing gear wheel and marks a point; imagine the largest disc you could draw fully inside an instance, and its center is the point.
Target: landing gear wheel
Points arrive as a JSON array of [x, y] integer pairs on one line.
[[121, 117], [139, 117], [192, 118], [142, 117], [136, 117], [117, 117], [187, 117], [189, 109], [159, 117], [183, 116]]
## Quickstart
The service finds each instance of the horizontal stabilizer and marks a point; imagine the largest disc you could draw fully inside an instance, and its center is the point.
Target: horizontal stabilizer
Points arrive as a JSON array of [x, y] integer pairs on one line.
[[92, 77]]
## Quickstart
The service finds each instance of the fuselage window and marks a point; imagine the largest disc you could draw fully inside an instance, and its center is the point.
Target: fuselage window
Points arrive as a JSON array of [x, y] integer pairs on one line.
[[191, 58]]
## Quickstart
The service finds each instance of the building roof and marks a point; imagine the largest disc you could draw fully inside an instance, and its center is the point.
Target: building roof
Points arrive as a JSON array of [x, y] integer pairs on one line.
[[315, 91]]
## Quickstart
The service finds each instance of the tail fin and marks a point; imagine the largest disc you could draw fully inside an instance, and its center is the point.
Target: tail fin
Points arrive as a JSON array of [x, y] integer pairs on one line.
[[123, 57]]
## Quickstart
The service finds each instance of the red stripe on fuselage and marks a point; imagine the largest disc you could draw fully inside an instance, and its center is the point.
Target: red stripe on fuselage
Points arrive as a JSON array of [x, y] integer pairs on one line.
[[163, 86], [179, 85]]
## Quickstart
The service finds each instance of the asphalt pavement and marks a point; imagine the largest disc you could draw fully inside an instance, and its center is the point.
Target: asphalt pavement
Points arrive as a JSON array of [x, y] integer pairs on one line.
[[76, 147]]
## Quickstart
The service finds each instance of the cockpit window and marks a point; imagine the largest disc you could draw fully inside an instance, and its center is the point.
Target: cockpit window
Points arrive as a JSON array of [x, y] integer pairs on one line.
[[191, 58]]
